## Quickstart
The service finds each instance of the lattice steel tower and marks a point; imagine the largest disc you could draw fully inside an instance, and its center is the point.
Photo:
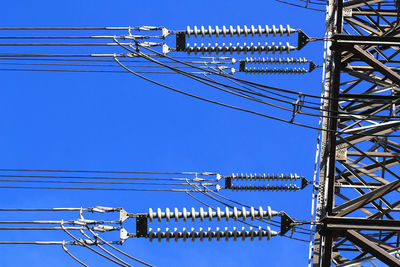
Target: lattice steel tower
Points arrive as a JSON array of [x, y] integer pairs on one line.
[[357, 204]]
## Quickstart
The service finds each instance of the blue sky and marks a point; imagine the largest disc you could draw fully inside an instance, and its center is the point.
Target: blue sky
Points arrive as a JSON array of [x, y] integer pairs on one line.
[[93, 121]]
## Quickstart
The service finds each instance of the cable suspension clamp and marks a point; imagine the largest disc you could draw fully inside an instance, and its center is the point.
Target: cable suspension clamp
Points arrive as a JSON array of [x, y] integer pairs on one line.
[[297, 106]]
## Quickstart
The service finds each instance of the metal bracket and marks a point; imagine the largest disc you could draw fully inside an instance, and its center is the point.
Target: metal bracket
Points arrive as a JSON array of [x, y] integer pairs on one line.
[[123, 215], [123, 235], [312, 67], [242, 65], [304, 182], [228, 183], [302, 40], [141, 226], [180, 41], [286, 223]]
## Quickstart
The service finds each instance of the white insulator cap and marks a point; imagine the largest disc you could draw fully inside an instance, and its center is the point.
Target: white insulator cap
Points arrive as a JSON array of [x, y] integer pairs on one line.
[[184, 234], [201, 234], [281, 30], [203, 32], [224, 31], [202, 214], [151, 234], [238, 30], [226, 233], [159, 234], [167, 214], [288, 30], [218, 234], [185, 214], [235, 213], [159, 214], [219, 214], [176, 214], [217, 31], [193, 233], [252, 213], [267, 30], [243, 233], [260, 30], [176, 234], [167, 234], [234, 234], [227, 213], [251, 234], [193, 213], [245, 30], [253, 30], [269, 212], [274, 30], [151, 214], [188, 31], [261, 213], [244, 213]]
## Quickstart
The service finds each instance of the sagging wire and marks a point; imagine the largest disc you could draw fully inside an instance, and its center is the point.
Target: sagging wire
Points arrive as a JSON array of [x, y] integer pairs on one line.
[[256, 85], [72, 256], [219, 73], [103, 249], [133, 37], [120, 251], [225, 75], [209, 100], [233, 107], [82, 243]]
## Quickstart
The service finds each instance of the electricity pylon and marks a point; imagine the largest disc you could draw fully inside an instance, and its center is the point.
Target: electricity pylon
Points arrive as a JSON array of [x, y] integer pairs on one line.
[[357, 204]]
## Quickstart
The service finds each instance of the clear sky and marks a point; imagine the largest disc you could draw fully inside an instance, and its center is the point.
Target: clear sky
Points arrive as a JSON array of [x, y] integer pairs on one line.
[[92, 121]]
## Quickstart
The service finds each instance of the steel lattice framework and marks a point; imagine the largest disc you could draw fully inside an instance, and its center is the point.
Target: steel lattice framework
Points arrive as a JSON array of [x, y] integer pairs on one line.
[[358, 200]]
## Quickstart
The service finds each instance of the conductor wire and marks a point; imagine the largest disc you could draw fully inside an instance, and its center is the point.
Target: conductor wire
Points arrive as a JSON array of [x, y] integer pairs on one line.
[[83, 244], [120, 251], [211, 101], [105, 250], [72, 256]]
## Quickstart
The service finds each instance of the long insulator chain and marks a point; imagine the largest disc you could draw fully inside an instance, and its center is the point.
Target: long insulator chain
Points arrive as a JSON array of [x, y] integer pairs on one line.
[[209, 234], [275, 71], [193, 214], [263, 177], [238, 48], [252, 60], [231, 31], [264, 188]]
